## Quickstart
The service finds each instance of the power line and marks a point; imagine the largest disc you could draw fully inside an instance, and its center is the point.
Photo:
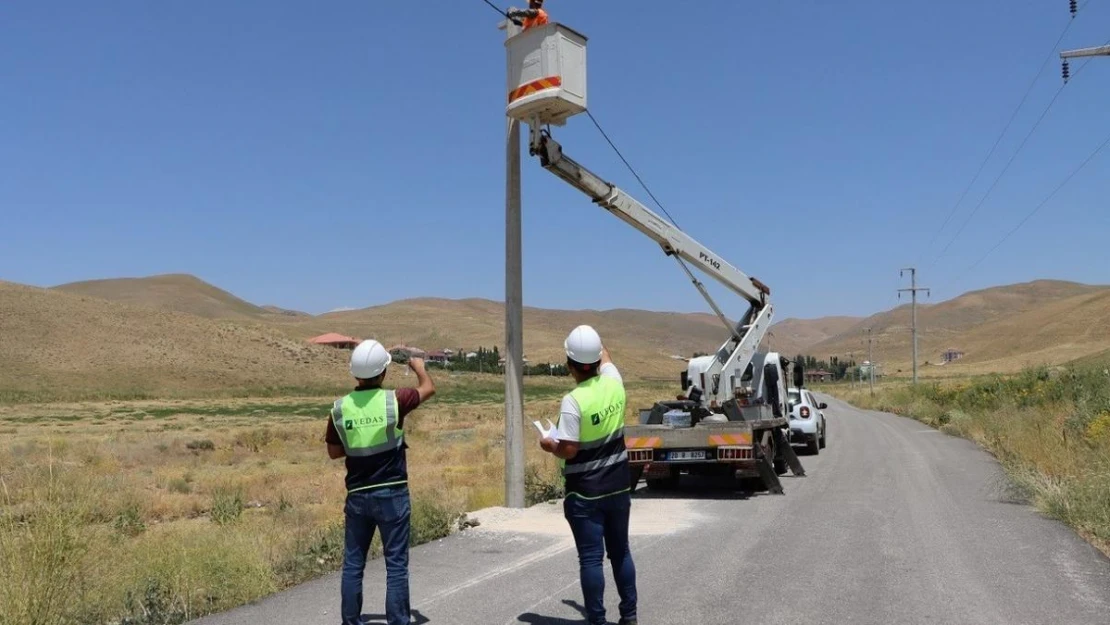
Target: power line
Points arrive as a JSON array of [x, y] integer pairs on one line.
[[505, 14], [1000, 175], [1006, 168], [1065, 181], [630, 168], [1006, 128]]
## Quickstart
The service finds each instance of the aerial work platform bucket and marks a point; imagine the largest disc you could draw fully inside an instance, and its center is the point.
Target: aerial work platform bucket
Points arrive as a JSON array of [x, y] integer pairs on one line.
[[547, 74]]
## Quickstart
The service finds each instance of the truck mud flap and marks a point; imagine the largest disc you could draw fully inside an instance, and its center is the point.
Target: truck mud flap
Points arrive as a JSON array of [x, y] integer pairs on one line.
[[767, 474], [765, 464], [788, 453]]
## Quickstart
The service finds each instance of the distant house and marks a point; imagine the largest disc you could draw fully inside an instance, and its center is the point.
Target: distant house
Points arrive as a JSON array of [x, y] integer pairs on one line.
[[819, 375], [471, 355], [438, 355], [865, 370], [331, 339], [951, 355]]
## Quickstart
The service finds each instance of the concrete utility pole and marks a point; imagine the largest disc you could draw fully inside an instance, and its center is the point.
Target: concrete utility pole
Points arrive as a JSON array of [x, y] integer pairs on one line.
[[870, 362], [514, 330], [913, 293], [514, 315]]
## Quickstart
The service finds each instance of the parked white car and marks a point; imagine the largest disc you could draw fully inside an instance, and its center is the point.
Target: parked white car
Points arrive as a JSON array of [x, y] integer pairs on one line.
[[807, 421]]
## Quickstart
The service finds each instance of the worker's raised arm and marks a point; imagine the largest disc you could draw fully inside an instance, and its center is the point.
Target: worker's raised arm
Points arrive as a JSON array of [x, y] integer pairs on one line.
[[605, 359], [424, 384]]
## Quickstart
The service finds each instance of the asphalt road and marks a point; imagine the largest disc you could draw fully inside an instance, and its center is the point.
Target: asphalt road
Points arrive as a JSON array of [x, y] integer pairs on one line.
[[894, 523]]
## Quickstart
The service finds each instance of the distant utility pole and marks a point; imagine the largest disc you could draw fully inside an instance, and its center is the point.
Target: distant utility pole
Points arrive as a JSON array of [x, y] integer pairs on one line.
[[1080, 52], [870, 363], [913, 326], [514, 315]]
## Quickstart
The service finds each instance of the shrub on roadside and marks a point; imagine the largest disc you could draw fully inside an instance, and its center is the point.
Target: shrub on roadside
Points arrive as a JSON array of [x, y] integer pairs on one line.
[[541, 484], [227, 505]]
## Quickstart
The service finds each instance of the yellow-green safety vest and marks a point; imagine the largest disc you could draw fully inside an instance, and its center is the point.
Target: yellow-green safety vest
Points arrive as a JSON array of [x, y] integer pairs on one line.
[[367, 425], [600, 468]]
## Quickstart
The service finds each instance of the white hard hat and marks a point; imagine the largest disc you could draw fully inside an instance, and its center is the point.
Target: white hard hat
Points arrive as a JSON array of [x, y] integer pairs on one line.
[[583, 345], [369, 360]]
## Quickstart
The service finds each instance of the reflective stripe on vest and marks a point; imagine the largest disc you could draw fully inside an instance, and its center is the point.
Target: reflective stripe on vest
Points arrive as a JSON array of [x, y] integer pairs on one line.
[[367, 422], [600, 466]]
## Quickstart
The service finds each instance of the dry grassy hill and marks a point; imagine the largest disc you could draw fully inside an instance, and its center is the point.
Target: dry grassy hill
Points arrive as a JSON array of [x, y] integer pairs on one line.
[[796, 336], [169, 292], [643, 340], [277, 310], [62, 344], [178, 335], [998, 329]]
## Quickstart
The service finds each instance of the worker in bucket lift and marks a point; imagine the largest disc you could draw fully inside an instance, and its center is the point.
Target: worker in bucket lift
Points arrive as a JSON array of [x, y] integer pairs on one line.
[[533, 16], [589, 441]]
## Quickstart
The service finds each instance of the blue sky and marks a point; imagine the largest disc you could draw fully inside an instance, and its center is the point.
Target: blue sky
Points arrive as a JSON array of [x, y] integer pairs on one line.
[[322, 155]]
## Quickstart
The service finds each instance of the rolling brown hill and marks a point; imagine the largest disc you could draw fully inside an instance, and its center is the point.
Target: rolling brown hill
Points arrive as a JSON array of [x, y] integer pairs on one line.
[[645, 340], [793, 336], [998, 329], [169, 292], [62, 344], [178, 335]]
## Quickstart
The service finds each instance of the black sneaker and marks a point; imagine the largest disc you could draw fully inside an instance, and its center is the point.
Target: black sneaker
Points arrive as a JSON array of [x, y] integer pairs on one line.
[[625, 621]]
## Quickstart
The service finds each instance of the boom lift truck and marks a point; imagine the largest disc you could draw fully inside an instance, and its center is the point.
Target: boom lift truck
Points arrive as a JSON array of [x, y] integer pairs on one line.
[[732, 418]]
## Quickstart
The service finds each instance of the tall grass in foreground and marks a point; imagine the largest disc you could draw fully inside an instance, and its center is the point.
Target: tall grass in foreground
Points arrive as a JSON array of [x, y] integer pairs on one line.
[[68, 557], [1049, 429]]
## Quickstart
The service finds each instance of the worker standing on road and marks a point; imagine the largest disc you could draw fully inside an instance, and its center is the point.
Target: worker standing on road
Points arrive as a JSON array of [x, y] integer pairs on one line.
[[367, 427], [589, 440], [533, 16]]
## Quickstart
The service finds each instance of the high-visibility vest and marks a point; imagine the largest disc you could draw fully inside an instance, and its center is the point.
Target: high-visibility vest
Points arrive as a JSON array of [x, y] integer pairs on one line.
[[532, 22], [367, 425], [600, 468]]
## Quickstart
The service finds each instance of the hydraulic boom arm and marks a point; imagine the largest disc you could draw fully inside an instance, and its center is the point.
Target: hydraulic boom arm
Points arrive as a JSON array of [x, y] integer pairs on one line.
[[673, 241], [734, 356]]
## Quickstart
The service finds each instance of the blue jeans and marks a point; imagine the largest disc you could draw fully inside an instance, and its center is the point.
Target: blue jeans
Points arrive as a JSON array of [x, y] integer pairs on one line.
[[388, 509], [600, 526]]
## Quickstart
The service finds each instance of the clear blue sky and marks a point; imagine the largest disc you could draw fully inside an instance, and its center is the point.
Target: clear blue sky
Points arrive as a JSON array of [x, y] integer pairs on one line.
[[323, 155]]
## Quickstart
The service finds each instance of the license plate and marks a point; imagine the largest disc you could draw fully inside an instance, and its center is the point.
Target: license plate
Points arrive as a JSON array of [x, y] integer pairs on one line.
[[686, 455]]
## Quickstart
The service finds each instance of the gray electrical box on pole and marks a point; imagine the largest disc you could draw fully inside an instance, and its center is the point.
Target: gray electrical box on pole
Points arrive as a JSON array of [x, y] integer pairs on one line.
[[913, 324]]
